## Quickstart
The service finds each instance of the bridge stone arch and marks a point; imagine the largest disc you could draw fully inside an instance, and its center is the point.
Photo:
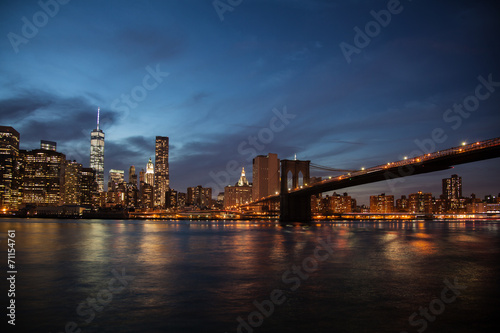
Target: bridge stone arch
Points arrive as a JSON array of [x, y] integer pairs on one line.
[[294, 207], [295, 167]]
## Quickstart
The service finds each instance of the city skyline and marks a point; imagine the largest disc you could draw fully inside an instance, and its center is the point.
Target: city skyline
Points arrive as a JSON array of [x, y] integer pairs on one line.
[[213, 86]]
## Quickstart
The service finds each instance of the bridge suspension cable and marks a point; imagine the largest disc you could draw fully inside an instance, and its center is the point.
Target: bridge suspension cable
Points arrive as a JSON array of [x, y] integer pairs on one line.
[[325, 168]]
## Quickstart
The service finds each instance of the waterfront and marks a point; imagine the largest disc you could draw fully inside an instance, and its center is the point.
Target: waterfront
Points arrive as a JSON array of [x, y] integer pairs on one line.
[[187, 276]]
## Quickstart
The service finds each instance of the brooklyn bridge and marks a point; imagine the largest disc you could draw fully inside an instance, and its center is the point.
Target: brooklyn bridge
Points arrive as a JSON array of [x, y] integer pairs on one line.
[[296, 190]]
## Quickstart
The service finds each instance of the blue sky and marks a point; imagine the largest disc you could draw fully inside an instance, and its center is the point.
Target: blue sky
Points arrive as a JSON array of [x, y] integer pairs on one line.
[[218, 82]]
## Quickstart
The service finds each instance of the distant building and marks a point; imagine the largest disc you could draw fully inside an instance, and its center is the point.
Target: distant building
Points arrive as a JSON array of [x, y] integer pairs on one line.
[[116, 180], [239, 194], [199, 196], [266, 176], [149, 176], [382, 203], [88, 187], [72, 194], [402, 204], [420, 203], [10, 174], [132, 176], [97, 154], [452, 192], [339, 204], [161, 171], [48, 145], [43, 177]]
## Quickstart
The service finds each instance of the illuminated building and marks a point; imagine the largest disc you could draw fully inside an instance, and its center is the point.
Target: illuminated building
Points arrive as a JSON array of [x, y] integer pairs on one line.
[[132, 176], [10, 176], [181, 199], [72, 183], [161, 180], [43, 177], [239, 194], [48, 145], [338, 204], [88, 187], [116, 178], [402, 204], [97, 154], [420, 203], [199, 196], [452, 192], [149, 176], [266, 176], [381, 203]]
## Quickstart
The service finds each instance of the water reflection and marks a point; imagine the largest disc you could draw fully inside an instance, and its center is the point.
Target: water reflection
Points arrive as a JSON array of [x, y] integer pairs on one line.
[[200, 276]]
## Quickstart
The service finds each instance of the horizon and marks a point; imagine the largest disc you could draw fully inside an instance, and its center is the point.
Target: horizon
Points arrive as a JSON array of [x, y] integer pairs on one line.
[[343, 84]]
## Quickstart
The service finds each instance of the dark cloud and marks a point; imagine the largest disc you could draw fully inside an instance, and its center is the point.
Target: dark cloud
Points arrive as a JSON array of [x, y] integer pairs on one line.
[[39, 115]]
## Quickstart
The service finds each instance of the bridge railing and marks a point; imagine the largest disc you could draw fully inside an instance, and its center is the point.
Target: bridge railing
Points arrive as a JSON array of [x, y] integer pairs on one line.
[[422, 158]]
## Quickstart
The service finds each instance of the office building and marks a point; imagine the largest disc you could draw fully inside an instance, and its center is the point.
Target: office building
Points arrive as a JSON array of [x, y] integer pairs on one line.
[[72, 183], [10, 176], [266, 176], [48, 145], [452, 192], [161, 171], [239, 194], [420, 203], [199, 196], [132, 176], [88, 188], [116, 180], [149, 176], [43, 177], [97, 154], [382, 203]]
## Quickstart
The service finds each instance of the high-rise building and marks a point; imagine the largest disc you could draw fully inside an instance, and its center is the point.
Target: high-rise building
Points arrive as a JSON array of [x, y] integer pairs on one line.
[[116, 179], [97, 153], [88, 187], [382, 203], [452, 188], [266, 176], [149, 176], [43, 177], [132, 176], [452, 192], [72, 183], [199, 196], [10, 175], [161, 182], [239, 194], [48, 145], [420, 203]]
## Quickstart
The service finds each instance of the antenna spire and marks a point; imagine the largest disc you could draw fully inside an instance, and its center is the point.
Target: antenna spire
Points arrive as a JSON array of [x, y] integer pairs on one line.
[[98, 111]]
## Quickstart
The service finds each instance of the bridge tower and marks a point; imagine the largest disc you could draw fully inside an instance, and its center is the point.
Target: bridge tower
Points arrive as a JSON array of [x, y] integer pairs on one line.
[[294, 207]]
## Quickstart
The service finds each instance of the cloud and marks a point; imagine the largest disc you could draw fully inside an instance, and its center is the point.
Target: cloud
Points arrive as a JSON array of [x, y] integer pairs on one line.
[[39, 115]]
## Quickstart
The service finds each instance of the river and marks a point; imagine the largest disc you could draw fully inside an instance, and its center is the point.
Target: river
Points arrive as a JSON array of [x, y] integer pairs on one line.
[[214, 276]]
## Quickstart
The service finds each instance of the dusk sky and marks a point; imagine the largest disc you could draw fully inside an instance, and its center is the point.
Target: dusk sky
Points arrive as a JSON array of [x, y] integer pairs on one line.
[[209, 78]]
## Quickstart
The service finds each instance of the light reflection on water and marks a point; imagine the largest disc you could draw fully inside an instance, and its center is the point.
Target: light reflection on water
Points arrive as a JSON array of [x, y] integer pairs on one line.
[[201, 276]]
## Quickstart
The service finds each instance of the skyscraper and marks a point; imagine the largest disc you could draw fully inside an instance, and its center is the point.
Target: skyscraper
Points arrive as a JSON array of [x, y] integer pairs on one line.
[[452, 188], [10, 176], [161, 182], [132, 176], [149, 177], [97, 154], [266, 176]]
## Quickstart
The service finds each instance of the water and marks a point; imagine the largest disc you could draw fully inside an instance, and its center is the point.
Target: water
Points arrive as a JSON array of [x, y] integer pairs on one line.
[[202, 276]]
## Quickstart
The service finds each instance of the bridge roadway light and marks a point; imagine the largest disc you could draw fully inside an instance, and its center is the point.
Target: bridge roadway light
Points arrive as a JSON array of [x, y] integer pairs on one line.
[[464, 143]]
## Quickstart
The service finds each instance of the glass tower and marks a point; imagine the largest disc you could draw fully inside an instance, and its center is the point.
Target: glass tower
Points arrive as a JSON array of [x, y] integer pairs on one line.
[[97, 154], [161, 182]]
